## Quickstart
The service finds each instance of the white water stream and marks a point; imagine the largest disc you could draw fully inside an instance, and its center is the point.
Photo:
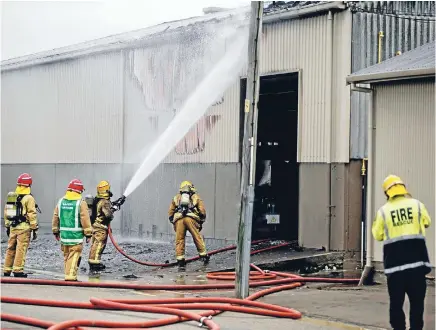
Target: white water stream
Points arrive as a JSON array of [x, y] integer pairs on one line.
[[223, 74]]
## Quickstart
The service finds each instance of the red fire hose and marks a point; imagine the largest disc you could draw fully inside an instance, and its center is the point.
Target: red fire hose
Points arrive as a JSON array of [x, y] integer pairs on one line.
[[171, 264], [172, 306]]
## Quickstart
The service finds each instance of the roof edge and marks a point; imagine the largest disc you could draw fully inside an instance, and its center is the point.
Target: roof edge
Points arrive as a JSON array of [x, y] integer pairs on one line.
[[121, 41], [304, 11], [111, 43], [392, 75]]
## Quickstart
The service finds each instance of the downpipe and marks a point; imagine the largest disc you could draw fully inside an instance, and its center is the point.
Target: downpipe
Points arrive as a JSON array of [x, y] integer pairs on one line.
[[330, 49], [368, 272]]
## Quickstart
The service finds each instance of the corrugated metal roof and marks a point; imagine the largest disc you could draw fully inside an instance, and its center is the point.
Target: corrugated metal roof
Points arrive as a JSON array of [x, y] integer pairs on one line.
[[275, 7], [138, 38], [417, 62], [132, 39]]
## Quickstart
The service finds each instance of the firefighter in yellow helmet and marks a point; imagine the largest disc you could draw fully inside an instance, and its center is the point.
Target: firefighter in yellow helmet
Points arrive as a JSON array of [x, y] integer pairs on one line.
[[70, 224], [187, 213], [101, 216], [401, 224], [21, 225]]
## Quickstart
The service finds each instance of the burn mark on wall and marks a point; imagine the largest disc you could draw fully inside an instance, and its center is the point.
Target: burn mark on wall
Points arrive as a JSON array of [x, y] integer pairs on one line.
[[195, 141]]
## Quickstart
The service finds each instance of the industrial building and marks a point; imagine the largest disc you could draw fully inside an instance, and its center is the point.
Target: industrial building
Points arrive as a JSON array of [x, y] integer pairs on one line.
[[311, 134], [403, 141]]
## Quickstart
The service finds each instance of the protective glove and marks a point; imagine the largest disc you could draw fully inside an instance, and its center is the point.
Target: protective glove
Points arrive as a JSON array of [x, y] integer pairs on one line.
[[34, 234], [88, 239], [171, 219], [8, 231], [57, 237], [200, 227]]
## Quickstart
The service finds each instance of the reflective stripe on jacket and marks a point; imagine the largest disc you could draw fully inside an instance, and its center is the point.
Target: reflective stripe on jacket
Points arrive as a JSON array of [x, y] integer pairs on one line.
[[401, 224]]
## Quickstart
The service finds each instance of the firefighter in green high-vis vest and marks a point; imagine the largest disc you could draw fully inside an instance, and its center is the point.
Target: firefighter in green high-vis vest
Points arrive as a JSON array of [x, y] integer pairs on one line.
[[71, 223]]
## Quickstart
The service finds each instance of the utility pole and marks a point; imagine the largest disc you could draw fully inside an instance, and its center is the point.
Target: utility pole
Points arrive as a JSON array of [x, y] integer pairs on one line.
[[249, 153]]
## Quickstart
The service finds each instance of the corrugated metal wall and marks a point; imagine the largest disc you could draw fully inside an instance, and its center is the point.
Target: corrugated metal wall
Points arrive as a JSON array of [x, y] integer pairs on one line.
[[407, 112], [300, 45], [160, 78], [400, 34], [50, 113]]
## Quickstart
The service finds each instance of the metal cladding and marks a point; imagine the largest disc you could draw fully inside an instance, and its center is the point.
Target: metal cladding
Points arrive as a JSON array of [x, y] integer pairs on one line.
[[405, 26]]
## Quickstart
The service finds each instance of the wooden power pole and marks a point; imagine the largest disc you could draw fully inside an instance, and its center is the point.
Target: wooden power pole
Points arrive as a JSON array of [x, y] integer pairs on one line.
[[249, 153]]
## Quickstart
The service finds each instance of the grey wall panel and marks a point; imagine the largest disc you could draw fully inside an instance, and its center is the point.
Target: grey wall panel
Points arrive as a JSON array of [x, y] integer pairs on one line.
[[346, 198], [227, 200], [43, 187], [406, 25], [313, 205], [354, 202], [147, 207], [91, 175], [339, 192], [50, 182]]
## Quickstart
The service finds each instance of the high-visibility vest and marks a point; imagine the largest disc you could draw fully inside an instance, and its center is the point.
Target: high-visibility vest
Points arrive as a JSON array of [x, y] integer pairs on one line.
[[404, 245], [70, 226]]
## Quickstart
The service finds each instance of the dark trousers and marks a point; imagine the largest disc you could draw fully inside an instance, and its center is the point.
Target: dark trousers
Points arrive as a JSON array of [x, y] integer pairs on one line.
[[413, 283]]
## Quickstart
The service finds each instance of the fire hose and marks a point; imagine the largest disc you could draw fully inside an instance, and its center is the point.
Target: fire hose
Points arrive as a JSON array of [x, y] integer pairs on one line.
[[171, 306], [171, 264]]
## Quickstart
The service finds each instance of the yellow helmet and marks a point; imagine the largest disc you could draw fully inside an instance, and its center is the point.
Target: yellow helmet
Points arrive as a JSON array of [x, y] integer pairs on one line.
[[394, 186], [186, 186], [103, 189]]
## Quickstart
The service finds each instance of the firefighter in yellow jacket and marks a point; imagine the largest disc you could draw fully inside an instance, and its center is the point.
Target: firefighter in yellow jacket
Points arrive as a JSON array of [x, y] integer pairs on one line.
[[401, 224], [21, 225], [102, 215], [187, 213], [70, 225]]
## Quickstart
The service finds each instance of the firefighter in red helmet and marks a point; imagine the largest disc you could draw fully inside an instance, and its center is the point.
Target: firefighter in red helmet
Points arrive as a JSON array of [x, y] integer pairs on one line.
[[21, 224], [70, 224]]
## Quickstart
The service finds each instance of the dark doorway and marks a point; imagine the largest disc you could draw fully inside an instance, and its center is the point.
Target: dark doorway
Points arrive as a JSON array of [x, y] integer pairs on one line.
[[276, 192]]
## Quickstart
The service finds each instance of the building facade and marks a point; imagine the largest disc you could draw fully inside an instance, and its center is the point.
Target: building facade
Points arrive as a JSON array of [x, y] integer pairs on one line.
[[92, 109]]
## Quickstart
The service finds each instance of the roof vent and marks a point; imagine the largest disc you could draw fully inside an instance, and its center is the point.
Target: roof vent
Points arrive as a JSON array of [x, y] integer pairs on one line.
[[212, 10]]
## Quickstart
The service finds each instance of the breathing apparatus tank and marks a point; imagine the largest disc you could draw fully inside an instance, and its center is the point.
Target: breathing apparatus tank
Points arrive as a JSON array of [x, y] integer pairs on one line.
[[13, 207], [185, 201], [89, 199]]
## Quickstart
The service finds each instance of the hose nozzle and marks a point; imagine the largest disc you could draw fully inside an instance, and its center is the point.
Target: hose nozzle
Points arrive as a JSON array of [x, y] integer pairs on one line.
[[116, 206]]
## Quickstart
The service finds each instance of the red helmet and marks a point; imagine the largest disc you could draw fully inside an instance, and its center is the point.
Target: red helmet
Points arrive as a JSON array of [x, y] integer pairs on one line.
[[76, 185], [24, 180]]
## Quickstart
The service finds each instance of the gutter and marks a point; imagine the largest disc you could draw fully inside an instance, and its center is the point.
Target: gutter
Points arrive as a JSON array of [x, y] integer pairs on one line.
[[392, 75], [368, 272], [305, 11]]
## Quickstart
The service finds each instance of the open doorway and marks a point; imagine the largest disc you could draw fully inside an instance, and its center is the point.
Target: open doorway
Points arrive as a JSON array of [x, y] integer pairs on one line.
[[276, 193]]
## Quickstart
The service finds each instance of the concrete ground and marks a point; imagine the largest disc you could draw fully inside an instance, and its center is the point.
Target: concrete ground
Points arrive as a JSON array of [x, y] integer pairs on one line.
[[323, 306]]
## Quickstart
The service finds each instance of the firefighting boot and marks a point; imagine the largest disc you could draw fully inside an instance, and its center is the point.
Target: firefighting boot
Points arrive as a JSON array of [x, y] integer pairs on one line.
[[7, 274], [20, 275], [100, 266], [182, 264], [205, 259]]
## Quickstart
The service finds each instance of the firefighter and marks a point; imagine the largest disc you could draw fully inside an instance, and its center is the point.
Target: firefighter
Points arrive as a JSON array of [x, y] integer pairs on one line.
[[21, 225], [70, 225], [401, 225], [187, 213], [102, 215]]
